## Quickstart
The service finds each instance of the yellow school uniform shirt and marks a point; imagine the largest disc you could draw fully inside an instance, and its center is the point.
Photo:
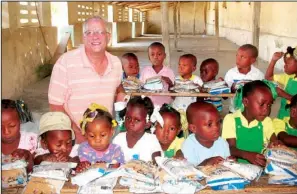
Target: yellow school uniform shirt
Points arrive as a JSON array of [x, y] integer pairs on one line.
[[176, 144], [280, 125], [283, 78], [229, 128]]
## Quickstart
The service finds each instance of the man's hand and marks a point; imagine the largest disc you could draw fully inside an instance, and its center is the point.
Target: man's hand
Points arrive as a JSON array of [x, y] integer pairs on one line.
[[82, 166], [277, 55]]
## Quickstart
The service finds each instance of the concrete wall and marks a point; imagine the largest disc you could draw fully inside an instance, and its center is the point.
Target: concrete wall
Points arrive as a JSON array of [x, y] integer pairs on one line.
[[23, 50], [124, 30], [138, 28], [186, 19], [278, 27]]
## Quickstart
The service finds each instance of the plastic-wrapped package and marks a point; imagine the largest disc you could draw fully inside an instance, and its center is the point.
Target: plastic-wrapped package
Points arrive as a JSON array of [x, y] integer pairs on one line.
[[214, 84], [281, 154], [100, 185], [248, 171], [281, 168], [43, 185], [181, 186], [87, 176], [53, 170], [179, 169], [135, 184], [139, 170], [153, 84], [222, 178], [14, 174], [282, 179], [131, 84]]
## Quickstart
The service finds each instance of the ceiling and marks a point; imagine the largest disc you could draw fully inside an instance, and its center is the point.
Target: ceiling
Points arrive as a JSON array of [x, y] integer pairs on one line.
[[141, 5]]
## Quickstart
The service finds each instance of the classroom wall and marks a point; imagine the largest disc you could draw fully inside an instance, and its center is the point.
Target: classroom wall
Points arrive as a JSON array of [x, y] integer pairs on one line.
[[138, 28], [23, 50], [278, 27], [124, 31], [154, 19]]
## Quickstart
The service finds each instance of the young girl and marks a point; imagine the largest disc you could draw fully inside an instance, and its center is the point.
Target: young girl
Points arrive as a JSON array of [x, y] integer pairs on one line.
[[287, 79], [98, 127], [56, 138], [248, 129], [167, 135], [135, 143], [157, 55], [18, 144], [286, 129]]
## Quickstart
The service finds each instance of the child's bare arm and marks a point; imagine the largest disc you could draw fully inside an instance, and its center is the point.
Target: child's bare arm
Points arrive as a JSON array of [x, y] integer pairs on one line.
[[288, 140], [26, 155], [212, 161], [283, 94], [252, 157], [270, 70], [154, 155], [168, 81], [179, 155]]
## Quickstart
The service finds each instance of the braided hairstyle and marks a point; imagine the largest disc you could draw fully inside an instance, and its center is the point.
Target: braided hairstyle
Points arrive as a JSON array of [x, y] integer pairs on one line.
[[21, 108], [291, 52]]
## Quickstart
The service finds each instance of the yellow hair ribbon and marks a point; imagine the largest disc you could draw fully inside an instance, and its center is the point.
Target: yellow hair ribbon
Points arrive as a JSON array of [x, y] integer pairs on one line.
[[114, 123], [184, 122]]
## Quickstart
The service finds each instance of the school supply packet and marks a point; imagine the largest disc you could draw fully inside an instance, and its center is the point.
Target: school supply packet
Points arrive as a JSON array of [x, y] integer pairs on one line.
[[179, 169], [153, 84], [53, 170], [38, 185], [14, 172]]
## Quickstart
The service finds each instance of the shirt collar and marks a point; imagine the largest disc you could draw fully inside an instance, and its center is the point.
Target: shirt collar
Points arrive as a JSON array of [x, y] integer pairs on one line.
[[191, 78]]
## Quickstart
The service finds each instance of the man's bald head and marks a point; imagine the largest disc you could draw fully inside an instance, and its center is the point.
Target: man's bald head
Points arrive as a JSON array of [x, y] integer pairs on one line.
[[195, 110]]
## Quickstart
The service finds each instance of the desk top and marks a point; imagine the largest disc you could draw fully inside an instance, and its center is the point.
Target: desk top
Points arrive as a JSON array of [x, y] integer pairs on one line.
[[179, 94]]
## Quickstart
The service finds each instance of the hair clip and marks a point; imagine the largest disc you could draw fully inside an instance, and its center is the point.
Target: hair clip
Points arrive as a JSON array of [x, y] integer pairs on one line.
[[147, 118], [288, 55], [114, 123]]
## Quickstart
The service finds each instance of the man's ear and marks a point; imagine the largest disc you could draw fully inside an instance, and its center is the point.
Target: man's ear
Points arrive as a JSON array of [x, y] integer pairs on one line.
[[192, 128], [43, 144], [108, 35]]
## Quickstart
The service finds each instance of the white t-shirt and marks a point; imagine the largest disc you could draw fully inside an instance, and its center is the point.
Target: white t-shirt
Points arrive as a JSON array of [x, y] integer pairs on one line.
[[142, 150], [183, 102], [233, 75], [40, 151]]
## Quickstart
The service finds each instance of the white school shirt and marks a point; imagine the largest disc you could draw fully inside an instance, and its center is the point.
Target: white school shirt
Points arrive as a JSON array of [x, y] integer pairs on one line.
[[143, 149], [183, 102], [233, 75]]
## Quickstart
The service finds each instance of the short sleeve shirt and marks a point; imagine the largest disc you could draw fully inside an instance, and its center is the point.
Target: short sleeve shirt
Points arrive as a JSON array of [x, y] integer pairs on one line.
[[175, 145], [280, 124], [75, 84], [283, 78], [195, 153], [142, 150], [233, 75], [28, 141], [229, 127]]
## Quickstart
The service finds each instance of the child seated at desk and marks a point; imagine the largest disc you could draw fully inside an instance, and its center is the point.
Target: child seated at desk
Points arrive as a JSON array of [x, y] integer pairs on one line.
[[130, 65]]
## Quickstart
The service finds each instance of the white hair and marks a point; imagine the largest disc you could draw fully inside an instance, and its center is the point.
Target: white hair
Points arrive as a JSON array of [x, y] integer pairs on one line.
[[96, 18]]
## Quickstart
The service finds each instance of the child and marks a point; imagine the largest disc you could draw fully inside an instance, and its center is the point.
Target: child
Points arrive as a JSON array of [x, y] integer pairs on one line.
[[248, 129], [186, 67], [167, 135], [135, 143], [209, 69], [246, 55], [287, 79], [98, 127], [286, 129], [56, 136], [130, 65], [204, 146], [157, 55], [18, 144]]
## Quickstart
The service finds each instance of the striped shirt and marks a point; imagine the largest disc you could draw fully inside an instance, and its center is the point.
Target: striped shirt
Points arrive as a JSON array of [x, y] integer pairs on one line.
[[75, 84]]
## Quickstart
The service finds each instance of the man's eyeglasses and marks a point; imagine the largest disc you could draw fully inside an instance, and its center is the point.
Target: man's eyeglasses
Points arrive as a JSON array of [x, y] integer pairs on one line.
[[95, 32]]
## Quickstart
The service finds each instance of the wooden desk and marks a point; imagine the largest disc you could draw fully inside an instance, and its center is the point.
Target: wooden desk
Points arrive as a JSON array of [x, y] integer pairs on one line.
[[190, 94], [255, 187]]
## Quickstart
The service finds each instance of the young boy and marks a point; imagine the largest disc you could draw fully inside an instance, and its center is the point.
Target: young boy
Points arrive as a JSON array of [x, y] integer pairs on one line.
[[209, 69], [246, 56], [186, 67], [56, 139], [204, 146], [157, 55], [130, 65]]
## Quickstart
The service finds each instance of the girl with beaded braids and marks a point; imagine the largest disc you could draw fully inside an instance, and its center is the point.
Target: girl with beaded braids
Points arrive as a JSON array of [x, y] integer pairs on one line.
[[249, 128], [288, 79], [168, 127], [98, 127], [286, 129], [135, 142]]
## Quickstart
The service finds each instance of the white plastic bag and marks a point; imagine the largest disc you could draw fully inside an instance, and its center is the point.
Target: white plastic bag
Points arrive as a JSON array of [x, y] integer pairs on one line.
[[248, 171], [89, 175]]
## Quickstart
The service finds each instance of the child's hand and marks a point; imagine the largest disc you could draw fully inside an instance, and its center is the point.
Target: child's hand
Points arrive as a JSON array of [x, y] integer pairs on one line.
[[220, 79], [179, 155], [277, 55], [275, 143], [82, 166], [21, 154], [167, 80], [213, 160], [255, 158]]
